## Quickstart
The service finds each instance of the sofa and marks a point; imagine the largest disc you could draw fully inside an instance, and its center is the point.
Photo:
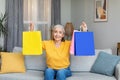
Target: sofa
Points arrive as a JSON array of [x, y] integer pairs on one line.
[[80, 67]]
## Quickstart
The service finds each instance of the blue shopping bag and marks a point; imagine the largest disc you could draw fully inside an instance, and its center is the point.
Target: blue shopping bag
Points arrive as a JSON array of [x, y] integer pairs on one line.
[[84, 44]]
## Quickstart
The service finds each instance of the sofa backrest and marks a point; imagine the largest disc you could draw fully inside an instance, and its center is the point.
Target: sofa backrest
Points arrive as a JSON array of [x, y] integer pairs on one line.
[[84, 63], [33, 62], [78, 63]]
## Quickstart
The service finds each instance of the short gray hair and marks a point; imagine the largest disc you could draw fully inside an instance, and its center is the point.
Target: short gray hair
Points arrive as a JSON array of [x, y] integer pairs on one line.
[[59, 26]]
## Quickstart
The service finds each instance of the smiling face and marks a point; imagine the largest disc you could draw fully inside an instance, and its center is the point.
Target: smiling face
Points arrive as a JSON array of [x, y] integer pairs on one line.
[[58, 33]]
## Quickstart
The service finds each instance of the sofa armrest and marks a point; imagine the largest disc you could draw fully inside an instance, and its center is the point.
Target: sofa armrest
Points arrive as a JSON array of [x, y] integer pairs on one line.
[[117, 71]]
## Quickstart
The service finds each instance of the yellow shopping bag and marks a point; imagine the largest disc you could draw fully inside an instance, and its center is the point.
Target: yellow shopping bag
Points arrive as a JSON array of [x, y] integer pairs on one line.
[[32, 43]]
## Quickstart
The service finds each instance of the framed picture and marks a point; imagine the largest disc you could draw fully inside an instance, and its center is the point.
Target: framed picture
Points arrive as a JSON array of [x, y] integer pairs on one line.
[[101, 10]]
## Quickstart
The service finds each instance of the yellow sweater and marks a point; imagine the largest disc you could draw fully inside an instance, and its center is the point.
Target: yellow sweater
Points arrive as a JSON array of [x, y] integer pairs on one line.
[[57, 58]]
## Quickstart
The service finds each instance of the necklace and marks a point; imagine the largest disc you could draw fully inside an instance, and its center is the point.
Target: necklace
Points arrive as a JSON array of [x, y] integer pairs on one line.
[[57, 44]]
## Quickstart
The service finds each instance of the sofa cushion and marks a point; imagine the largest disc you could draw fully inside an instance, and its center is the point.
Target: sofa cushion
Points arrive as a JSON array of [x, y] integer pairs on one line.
[[17, 49], [37, 62], [105, 63], [12, 62], [89, 76], [84, 63], [28, 75]]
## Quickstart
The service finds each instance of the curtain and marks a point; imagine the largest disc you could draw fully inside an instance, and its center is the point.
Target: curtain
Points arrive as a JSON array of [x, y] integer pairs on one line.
[[55, 12], [14, 10], [38, 12]]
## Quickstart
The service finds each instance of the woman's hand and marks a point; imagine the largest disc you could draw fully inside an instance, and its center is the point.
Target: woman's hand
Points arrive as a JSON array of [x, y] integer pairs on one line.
[[31, 27], [83, 27]]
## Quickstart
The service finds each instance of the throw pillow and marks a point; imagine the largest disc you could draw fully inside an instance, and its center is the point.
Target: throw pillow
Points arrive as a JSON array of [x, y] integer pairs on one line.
[[105, 64], [12, 62]]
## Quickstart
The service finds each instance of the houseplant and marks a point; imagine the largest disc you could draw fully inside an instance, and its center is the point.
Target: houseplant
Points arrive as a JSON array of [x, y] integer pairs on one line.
[[3, 29]]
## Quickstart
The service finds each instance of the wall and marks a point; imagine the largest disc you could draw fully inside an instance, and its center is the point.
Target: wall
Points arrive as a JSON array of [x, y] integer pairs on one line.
[[77, 12], [65, 11], [2, 6], [106, 34]]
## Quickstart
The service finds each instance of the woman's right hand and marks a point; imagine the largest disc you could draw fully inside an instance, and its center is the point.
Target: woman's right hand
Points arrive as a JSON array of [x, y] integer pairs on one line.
[[31, 27]]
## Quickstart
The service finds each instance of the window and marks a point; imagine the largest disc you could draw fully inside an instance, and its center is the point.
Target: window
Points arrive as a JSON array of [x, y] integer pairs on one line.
[[38, 12]]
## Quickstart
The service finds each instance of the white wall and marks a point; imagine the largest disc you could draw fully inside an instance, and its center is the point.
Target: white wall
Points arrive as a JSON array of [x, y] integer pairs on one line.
[[106, 34], [2, 6], [65, 11]]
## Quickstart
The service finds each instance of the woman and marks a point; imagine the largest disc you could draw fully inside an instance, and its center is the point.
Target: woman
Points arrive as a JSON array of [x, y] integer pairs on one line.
[[57, 51], [57, 55]]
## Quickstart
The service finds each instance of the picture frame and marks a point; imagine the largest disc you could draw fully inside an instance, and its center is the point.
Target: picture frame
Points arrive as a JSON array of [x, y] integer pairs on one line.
[[101, 10]]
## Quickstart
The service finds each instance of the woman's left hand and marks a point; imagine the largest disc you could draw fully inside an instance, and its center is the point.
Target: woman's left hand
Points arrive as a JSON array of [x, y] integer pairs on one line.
[[84, 27]]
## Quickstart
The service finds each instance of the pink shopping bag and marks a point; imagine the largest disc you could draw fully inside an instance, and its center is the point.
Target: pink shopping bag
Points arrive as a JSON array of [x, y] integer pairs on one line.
[[72, 43]]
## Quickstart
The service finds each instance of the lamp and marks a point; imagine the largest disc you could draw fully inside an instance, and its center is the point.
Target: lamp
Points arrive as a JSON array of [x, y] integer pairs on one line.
[[118, 48]]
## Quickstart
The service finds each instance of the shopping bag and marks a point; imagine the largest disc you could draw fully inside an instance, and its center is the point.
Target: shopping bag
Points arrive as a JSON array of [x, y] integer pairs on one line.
[[84, 44], [32, 43], [72, 43]]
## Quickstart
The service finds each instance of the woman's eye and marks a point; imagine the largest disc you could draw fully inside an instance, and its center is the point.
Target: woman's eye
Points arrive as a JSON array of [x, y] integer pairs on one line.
[[60, 32], [55, 31]]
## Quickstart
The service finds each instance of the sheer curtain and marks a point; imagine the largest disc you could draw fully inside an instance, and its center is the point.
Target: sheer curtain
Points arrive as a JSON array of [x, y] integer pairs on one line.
[[38, 12]]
